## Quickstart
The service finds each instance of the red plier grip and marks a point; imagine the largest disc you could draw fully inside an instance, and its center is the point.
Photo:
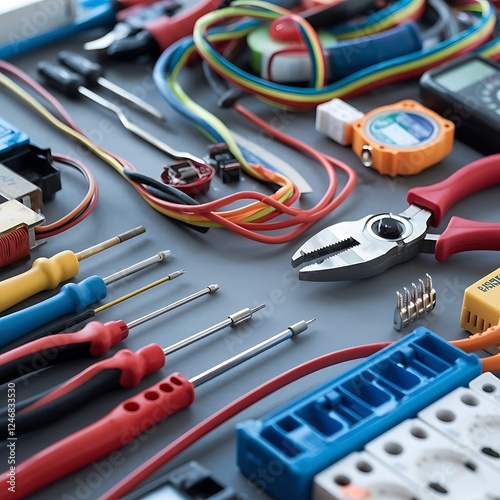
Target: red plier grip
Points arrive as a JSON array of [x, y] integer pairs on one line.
[[461, 234], [438, 198]]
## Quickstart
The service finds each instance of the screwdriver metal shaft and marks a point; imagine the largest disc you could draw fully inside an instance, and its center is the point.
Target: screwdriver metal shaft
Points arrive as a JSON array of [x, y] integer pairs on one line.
[[135, 129], [232, 320], [291, 331], [115, 240], [48, 273], [72, 297], [93, 73], [174, 305], [139, 266]]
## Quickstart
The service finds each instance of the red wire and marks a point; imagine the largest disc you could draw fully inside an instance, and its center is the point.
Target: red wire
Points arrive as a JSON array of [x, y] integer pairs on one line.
[[232, 409], [300, 218]]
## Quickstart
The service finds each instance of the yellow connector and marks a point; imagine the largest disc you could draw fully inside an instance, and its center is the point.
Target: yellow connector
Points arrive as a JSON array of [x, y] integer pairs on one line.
[[481, 304]]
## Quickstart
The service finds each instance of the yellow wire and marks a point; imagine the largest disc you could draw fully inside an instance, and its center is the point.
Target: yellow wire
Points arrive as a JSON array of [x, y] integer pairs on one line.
[[249, 213]]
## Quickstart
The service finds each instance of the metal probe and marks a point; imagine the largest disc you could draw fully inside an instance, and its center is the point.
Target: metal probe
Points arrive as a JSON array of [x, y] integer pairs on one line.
[[174, 305], [232, 320], [291, 331], [115, 240], [137, 267]]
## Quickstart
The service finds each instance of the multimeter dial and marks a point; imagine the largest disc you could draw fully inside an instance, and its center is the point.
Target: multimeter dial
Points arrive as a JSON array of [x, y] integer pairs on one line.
[[467, 92]]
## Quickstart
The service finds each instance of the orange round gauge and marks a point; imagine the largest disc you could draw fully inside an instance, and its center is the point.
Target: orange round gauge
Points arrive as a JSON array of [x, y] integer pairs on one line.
[[402, 139]]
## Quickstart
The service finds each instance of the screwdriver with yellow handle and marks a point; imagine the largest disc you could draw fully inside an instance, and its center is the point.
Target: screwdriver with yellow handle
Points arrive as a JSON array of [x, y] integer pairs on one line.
[[72, 298], [48, 273]]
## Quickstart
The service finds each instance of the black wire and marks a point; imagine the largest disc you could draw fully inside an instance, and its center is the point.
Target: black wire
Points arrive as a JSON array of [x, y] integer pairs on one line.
[[165, 192]]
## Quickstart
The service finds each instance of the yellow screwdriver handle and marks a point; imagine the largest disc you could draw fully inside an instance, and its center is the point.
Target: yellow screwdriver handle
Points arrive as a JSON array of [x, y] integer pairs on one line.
[[45, 274]]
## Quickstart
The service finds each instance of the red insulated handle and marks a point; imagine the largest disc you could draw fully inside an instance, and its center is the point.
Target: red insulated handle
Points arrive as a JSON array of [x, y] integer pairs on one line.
[[117, 428], [95, 339], [132, 367], [98, 337], [462, 235], [167, 30], [438, 198]]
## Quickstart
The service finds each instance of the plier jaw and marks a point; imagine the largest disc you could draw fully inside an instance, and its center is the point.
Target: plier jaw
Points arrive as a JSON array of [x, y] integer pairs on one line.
[[363, 248]]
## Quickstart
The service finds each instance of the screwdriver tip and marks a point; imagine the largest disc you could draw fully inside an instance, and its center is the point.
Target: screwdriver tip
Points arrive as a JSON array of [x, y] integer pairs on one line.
[[176, 274], [213, 288], [300, 326], [127, 235], [165, 254], [258, 308]]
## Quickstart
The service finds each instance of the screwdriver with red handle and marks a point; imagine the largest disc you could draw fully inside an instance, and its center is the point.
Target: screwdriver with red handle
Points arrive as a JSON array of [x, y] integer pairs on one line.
[[95, 339], [125, 369], [125, 422]]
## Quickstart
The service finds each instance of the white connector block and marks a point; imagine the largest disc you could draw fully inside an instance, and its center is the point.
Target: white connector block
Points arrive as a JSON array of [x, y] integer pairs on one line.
[[335, 118], [469, 419], [24, 19], [360, 476], [488, 386], [437, 466]]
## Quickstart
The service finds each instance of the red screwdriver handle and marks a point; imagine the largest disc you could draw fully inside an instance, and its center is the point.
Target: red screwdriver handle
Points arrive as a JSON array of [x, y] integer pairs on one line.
[[463, 235], [125, 369], [95, 340], [117, 428], [438, 198]]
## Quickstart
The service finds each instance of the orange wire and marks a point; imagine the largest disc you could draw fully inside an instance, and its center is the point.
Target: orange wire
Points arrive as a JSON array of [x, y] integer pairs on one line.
[[81, 211]]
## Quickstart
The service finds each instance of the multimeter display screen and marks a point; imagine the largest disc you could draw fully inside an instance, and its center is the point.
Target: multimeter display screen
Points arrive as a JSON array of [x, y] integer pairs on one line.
[[461, 77]]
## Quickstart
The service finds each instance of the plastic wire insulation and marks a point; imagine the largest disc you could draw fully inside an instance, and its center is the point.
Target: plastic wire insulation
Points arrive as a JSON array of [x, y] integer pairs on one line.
[[232, 409], [82, 210], [482, 340], [206, 214], [399, 68], [210, 423]]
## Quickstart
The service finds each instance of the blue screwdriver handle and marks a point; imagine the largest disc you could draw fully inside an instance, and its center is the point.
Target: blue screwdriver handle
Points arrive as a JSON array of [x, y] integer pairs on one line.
[[72, 298]]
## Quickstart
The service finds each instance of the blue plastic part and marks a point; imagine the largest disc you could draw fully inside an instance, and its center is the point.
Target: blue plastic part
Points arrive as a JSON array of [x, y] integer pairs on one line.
[[284, 450], [72, 298], [90, 14], [347, 57], [11, 137]]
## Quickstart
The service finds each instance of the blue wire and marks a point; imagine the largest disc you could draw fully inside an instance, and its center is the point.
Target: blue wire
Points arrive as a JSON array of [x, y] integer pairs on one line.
[[359, 74]]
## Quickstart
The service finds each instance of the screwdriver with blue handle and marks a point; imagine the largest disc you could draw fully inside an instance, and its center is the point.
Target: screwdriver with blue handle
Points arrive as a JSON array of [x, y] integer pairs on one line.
[[126, 369], [69, 321], [95, 339], [48, 273], [72, 298]]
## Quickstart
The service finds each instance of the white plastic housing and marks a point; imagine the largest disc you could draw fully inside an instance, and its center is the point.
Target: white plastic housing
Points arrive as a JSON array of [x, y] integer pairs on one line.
[[469, 419], [361, 476], [437, 466], [488, 386], [334, 119]]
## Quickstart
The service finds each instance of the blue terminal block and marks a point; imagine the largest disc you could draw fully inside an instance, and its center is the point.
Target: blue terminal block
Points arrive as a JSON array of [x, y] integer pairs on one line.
[[284, 450]]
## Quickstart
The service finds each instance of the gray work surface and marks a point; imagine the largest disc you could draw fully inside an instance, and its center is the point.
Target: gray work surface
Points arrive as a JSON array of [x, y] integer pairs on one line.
[[249, 273]]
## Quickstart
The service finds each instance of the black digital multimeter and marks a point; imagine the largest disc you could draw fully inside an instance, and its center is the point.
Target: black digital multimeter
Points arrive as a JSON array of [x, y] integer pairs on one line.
[[467, 92]]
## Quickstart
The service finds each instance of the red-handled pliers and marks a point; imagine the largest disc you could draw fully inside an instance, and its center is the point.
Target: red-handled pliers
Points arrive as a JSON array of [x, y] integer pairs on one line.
[[369, 246]]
